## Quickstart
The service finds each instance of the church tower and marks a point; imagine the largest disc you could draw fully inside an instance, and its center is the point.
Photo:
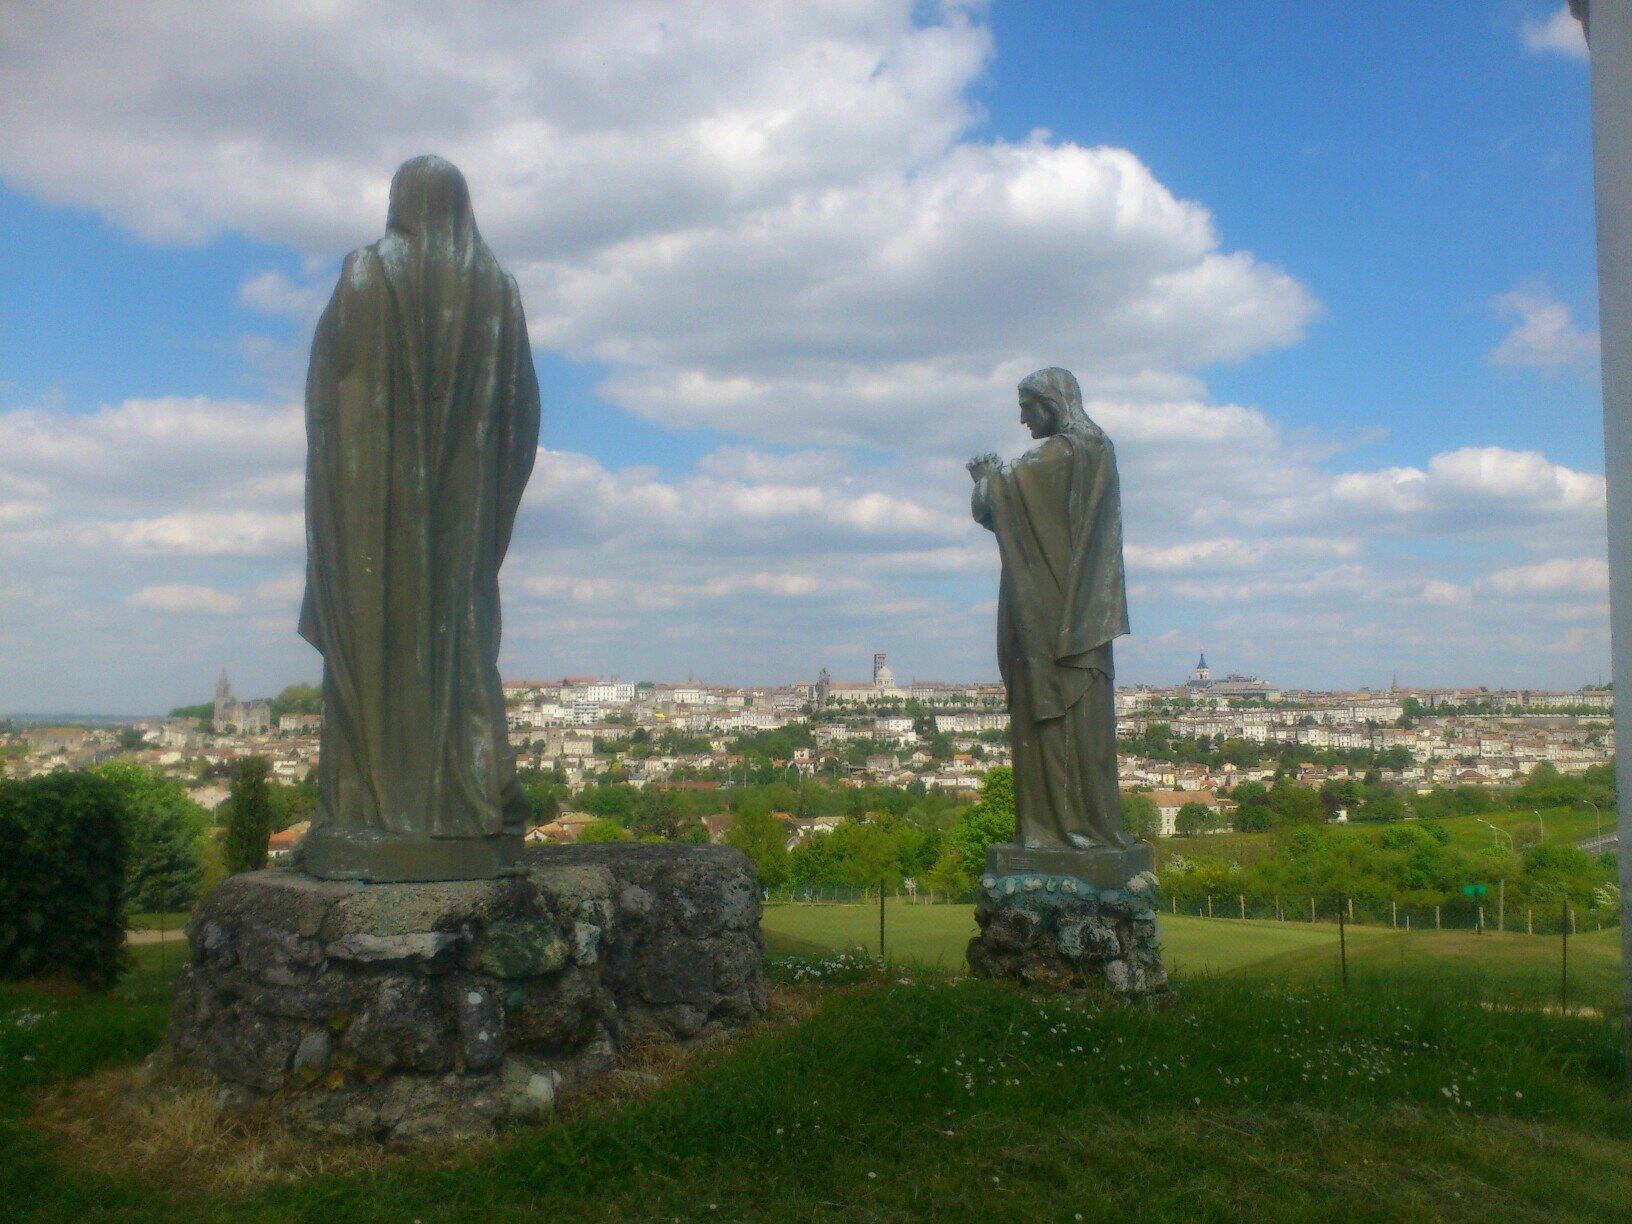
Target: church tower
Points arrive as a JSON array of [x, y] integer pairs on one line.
[[1203, 675], [223, 698]]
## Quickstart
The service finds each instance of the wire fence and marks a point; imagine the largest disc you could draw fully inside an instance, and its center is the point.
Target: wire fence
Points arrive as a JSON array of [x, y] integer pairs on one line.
[[1555, 954]]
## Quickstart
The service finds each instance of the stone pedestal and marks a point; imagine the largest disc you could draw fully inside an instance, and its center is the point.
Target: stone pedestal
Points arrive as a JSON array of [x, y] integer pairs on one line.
[[1069, 918], [434, 1010]]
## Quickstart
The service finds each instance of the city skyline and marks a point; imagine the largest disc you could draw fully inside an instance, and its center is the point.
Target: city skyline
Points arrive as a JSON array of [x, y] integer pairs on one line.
[[782, 271]]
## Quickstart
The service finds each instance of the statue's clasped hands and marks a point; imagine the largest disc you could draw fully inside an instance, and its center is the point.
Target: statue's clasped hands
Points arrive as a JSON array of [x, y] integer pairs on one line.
[[982, 466]]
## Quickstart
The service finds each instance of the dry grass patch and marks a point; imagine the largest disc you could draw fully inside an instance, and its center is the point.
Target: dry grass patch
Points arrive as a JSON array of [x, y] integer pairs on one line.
[[167, 1133]]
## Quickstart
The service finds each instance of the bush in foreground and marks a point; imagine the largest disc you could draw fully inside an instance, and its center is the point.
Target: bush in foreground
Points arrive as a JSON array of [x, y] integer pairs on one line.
[[62, 879]]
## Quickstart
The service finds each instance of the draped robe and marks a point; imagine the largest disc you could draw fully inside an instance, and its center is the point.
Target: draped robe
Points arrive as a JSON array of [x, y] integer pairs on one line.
[[422, 424], [1056, 512]]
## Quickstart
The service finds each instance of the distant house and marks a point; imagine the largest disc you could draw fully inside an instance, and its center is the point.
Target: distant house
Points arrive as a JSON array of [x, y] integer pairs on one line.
[[564, 829], [283, 841], [1168, 803]]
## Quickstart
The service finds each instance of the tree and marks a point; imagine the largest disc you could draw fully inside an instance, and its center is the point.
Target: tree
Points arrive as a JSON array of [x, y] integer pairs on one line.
[[250, 824], [297, 699], [165, 829], [602, 831], [1194, 818], [986, 823], [1294, 804], [761, 837], [1252, 811], [655, 815], [1140, 815], [131, 740], [812, 864]]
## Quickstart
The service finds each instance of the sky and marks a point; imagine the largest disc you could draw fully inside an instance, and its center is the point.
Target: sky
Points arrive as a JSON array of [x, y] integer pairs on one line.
[[1325, 272]]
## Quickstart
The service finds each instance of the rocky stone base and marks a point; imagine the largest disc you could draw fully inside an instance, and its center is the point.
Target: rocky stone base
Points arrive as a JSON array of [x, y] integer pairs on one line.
[[1060, 931], [407, 1012]]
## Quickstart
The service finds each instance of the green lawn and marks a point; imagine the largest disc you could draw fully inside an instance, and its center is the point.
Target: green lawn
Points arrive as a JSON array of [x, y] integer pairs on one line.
[[966, 1101], [1511, 966], [1566, 825]]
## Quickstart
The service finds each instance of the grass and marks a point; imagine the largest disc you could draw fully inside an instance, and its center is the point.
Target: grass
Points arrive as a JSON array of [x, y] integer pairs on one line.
[[1564, 825], [1513, 967], [969, 1101], [57, 1032]]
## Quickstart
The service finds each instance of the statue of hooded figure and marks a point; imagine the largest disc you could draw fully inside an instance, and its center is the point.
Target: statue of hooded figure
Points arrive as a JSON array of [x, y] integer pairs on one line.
[[1057, 515], [422, 420]]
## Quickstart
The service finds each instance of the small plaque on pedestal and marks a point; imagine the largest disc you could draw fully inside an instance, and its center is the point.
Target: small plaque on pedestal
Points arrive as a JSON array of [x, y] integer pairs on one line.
[[1103, 867]]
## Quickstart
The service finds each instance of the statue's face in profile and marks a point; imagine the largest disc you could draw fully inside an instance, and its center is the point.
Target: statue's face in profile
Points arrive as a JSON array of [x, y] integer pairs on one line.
[[1037, 415]]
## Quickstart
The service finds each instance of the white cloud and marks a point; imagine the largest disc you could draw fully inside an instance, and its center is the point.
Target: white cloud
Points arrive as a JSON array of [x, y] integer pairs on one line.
[[1544, 334], [130, 454], [238, 533], [766, 219], [1571, 575], [273, 293], [1559, 33], [1476, 491], [183, 599]]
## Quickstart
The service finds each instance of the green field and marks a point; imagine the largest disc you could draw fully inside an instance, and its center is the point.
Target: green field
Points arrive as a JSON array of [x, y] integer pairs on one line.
[[1507, 964], [1563, 825]]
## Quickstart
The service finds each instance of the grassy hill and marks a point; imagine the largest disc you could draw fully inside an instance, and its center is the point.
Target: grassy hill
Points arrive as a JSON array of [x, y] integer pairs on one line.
[[1564, 825], [891, 1101]]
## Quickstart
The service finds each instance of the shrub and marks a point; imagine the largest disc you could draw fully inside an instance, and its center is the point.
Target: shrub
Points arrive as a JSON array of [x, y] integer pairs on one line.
[[62, 878]]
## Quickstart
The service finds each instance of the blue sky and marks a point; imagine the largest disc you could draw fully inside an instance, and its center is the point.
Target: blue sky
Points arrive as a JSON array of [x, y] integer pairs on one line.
[[1328, 280]]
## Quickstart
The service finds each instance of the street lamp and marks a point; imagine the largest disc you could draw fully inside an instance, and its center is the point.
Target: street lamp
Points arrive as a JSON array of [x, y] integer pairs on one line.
[[1597, 817], [1501, 832]]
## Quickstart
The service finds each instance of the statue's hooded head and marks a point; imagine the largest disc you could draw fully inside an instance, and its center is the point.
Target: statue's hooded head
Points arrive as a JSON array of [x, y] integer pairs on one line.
[[1058, 389], [430, 212]]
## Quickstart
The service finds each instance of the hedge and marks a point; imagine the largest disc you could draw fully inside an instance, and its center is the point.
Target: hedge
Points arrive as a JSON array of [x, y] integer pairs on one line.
[[62, 879]]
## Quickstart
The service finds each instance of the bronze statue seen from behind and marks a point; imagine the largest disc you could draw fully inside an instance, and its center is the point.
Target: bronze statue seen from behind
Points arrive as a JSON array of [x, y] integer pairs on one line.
[[422, 420]]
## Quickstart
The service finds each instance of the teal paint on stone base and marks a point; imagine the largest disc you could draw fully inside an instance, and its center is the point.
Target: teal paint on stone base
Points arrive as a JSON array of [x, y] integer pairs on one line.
[[1063, 931]]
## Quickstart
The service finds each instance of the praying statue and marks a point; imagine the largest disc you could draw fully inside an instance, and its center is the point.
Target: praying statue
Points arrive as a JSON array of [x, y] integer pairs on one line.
[[1057, 515], [422, 420]]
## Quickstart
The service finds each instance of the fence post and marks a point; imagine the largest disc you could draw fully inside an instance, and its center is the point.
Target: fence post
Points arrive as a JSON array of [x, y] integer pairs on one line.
[[1436, 917], [881, 921], [1311, 909], [1480, 929], [1209, 905], [1351, 909], [1394, 914], [1564, 959], [1529, 922], [1278, 916], [1342, 940], [1242, 897], [1175, 903], [1572, 920]]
